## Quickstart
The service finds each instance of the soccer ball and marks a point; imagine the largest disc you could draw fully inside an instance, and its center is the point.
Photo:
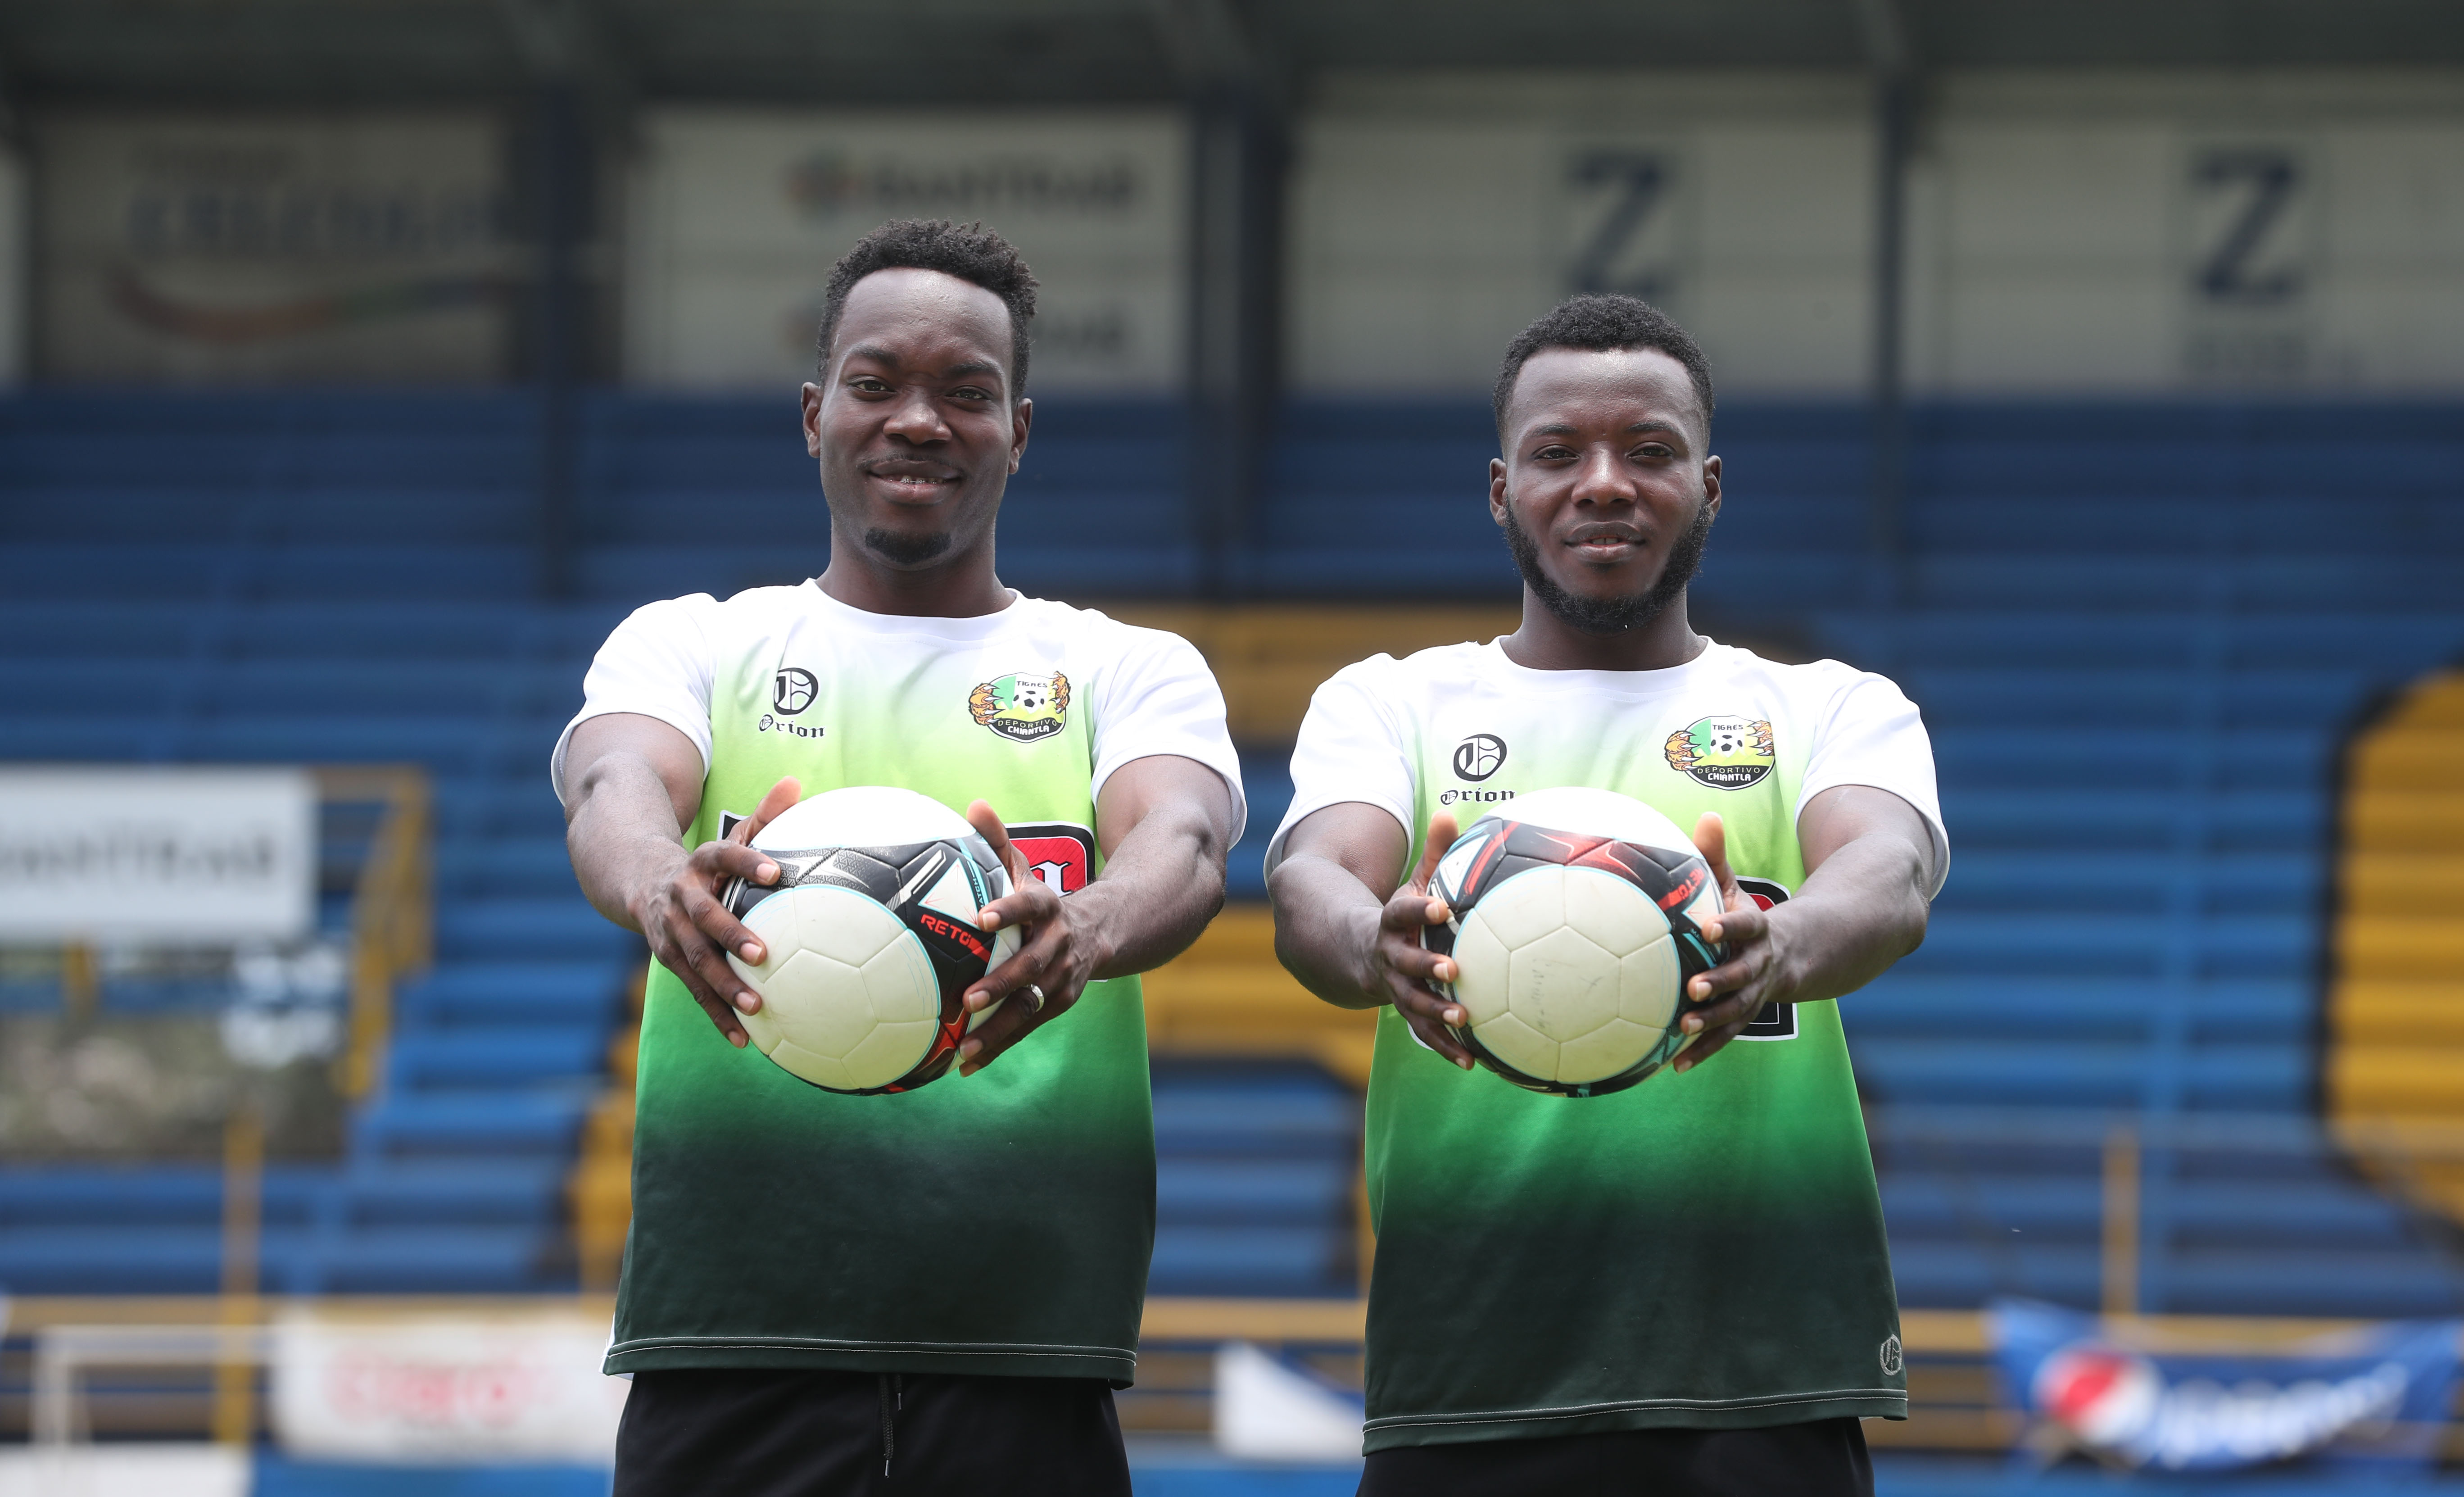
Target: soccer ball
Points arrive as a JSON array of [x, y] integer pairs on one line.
[[868, 937], [1573, 917]]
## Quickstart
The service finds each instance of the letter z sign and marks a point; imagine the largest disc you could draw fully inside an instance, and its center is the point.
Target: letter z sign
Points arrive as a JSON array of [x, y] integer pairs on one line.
[[1057, 852]]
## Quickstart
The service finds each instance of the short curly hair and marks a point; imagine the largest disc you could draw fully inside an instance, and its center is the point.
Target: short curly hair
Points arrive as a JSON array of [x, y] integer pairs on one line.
[[1600, 322], [969, 251]]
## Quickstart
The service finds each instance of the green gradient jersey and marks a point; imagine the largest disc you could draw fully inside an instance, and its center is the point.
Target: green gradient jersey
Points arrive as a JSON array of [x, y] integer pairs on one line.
[[1702, 1250], [994, 1223]]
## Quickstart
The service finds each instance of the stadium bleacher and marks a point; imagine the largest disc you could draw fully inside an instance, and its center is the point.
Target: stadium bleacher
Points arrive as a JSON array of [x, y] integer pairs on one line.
[[2139, 633], [298, 579], [2139, 636]]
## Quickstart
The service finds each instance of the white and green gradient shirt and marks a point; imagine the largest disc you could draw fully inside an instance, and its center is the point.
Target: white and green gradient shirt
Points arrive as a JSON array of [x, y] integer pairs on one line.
[[999, 1223], [1703, 1250]]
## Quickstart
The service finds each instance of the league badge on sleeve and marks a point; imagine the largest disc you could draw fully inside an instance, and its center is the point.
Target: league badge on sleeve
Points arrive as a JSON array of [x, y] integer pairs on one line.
[[1061, 854], [1022, 708], [1776, 1021]]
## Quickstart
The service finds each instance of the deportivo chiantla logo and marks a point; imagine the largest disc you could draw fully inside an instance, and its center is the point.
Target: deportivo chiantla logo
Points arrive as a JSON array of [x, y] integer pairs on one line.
[[1022, 708], [1724, 753]]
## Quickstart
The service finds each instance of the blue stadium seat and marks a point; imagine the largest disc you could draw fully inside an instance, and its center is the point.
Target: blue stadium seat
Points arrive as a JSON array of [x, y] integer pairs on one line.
[[495, 1055], [534, 1120], [488, 1191], [521, 991], [533, 930], [1245, 1260], [462, 1259], [1256, 1168]]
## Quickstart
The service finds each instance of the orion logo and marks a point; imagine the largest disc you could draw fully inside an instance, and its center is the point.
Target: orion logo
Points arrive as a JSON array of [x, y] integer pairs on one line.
[[793, 690], [1480, 756]]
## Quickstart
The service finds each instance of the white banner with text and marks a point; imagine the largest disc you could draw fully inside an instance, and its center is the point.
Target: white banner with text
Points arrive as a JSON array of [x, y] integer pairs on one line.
[[446, 1392], [737, 216], [143, 854]]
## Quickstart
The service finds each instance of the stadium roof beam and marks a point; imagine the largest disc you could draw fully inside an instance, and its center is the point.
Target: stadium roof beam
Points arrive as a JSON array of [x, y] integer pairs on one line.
[[1885, 35], [12, 120], [578, 83], [1238, 154], [1890, 51], [1212, 46], [348, 52], [567, 43]]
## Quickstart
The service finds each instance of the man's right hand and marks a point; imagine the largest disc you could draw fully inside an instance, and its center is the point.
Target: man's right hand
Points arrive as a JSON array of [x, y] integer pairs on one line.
[[1401, 970], [679, 911]]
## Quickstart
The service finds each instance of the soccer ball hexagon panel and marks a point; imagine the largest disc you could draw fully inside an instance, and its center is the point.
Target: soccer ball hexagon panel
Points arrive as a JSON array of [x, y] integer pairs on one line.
[[870, 939], [1572, 920]]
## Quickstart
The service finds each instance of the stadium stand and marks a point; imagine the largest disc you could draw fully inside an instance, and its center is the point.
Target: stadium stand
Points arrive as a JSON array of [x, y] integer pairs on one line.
[[2139, 633], [2392, 1027], [298, 579], [2140, 636]]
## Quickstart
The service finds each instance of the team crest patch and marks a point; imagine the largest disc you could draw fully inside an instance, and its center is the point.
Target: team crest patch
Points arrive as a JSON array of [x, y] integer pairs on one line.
[[1724, 753], [1022, 708]]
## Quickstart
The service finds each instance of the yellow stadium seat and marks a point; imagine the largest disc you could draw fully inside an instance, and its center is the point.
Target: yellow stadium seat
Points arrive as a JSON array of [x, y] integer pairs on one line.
[[2394, 1069]]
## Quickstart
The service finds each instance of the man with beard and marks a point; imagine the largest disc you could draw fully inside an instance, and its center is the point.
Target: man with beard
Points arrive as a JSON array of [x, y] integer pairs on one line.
[[1683, 1287], [932, 1291]]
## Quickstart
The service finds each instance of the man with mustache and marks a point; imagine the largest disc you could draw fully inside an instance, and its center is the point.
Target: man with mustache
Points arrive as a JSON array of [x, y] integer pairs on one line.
[[1683, 1287], [933, 1290]]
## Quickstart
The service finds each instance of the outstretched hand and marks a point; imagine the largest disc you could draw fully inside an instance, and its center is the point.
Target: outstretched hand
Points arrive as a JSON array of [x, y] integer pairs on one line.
[[1757, 970], [1050, 968], [679, 912], [1402, 969]]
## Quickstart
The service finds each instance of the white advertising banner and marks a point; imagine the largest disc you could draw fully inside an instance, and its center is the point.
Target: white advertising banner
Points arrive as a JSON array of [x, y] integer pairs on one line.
[[207, 249], [2081, 233], [2071, 233], [446, 1392], [1433, 217], [737, 216], [143, 854], [129, 1469]]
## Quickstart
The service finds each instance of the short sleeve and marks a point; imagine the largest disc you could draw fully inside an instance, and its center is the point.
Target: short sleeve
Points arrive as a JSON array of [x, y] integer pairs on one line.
[[1351, 748], [1159, 697], [1870, 733], [659, 663]]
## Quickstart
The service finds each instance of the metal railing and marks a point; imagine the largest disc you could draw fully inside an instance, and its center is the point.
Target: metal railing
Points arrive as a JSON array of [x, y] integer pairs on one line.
[[392, 907]]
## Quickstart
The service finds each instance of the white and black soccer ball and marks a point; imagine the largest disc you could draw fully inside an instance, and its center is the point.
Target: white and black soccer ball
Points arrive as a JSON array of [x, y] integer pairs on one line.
[[1575, 920], [868, 937]]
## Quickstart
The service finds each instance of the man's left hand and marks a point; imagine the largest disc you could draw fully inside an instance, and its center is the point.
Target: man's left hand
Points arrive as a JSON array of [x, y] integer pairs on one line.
[[1868, 874], [1757, 971], [1054, 959]]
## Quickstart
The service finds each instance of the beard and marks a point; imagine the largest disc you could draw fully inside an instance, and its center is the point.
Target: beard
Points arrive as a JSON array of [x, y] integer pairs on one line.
[[1611, 615], [904, 550]]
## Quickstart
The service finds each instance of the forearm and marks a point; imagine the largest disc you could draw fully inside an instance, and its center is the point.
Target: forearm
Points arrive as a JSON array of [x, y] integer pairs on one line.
[[1861, 911], [621, 832], [1325, 920], [1156, 893]]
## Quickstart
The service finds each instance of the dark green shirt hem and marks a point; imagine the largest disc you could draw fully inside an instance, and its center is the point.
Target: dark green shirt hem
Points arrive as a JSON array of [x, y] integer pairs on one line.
[[789, 1353], [1394, 1431]]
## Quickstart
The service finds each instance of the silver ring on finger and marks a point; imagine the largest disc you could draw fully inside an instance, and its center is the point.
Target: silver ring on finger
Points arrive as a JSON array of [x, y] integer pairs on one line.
[[1034, 998]]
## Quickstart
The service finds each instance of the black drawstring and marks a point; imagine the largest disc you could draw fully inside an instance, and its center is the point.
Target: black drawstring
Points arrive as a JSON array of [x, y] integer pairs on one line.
[[893, 1398]]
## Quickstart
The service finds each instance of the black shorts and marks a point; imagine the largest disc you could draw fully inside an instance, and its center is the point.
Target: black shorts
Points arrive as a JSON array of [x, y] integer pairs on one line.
[[731, 1432], [1824, 1458]]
